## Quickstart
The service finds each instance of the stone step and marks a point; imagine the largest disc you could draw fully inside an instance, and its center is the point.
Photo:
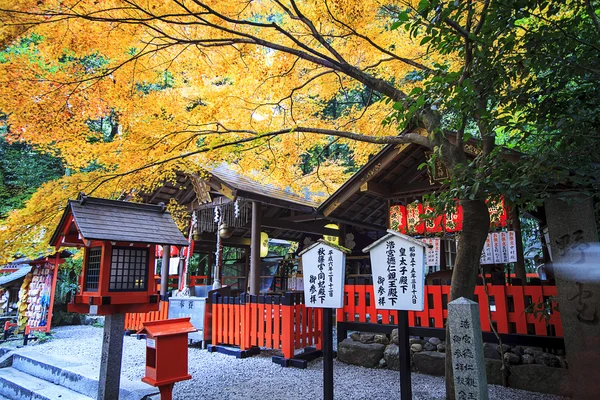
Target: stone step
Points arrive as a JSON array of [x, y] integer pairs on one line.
[[18, 385], [73, 374]]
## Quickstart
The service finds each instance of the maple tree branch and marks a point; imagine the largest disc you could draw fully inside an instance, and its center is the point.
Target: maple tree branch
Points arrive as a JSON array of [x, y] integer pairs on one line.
[[404, 138], [378, 47]]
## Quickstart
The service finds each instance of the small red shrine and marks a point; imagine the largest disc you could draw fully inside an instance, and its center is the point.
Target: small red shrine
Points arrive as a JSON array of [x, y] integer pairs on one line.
[[119, 240]]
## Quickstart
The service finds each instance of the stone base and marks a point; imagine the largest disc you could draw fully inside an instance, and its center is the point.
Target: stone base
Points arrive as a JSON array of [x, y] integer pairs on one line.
[[540, 378], [357, 353]]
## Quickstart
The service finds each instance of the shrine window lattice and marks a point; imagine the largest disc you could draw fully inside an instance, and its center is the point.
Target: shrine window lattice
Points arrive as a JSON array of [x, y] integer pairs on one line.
[[128, 270]]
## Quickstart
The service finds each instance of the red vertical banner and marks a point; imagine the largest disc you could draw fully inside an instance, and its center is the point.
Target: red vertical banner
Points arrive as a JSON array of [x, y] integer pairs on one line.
[[398, 218], [454, 219], [433, 223], [413, 218]]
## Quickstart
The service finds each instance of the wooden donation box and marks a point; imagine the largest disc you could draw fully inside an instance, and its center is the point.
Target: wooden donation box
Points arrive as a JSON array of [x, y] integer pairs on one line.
[[167, 351], [119, 240]]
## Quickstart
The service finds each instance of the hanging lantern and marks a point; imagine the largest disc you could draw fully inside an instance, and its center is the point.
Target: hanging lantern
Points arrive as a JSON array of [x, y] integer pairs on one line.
[[264, 244], [332, 239]]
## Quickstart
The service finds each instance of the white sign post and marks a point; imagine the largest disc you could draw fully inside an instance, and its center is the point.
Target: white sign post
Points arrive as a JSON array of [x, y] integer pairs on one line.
[[398, 268], [324, 265]]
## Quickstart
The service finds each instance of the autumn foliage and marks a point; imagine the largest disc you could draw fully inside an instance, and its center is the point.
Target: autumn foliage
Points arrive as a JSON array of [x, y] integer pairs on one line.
[[127, 94]]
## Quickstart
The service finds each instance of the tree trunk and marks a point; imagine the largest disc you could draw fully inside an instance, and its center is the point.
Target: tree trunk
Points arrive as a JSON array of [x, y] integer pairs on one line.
[[476, 223]]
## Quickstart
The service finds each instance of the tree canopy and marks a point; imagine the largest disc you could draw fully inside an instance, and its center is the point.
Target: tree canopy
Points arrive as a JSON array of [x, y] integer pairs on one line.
[[126, 92]]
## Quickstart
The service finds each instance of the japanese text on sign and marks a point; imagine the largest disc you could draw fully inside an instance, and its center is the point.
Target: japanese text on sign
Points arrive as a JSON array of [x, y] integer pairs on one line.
[[324, 270], [398, 274]]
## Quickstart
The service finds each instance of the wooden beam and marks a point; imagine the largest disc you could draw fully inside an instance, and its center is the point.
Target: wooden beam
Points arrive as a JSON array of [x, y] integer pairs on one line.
[[302, 218], [368, 174], [414, 187], [314, 229], [375, 189], [370, 227], [212, 238]]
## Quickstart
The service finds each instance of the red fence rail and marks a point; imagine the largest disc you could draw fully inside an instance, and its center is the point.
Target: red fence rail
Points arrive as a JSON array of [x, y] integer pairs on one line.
[[276, 322], [507, 305], [134, 321]]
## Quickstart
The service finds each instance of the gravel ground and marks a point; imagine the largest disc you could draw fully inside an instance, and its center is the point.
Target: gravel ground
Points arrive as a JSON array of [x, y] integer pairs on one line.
[[217, 376]]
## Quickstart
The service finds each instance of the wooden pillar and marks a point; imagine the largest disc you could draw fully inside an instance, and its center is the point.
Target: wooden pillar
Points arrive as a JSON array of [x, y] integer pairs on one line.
[[164, 272], [520, 272], [255, 249]]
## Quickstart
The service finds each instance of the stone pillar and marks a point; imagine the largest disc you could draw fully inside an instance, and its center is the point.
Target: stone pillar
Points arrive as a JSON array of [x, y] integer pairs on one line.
[[112, 352], [164, 272], [255, 249], [576, 267], [468, 365]]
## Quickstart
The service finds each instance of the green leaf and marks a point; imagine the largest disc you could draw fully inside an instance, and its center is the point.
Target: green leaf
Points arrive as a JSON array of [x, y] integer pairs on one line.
[[396, 25], [426, 40], [423, 4], [403, 16]]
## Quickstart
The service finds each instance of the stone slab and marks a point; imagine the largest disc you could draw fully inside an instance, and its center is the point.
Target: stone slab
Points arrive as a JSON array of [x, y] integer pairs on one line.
[[576, 265], [470, 381]]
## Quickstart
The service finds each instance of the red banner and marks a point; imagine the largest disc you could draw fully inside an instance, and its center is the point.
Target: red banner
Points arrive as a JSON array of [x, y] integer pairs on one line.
[[398, 218]]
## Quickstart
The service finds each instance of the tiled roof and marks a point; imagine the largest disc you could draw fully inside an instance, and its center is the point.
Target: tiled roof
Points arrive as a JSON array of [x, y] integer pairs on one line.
[[254, 186], [121, 221]]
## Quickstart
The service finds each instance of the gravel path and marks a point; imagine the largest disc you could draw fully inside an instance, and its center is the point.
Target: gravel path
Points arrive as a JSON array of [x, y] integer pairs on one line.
[[217, 376]]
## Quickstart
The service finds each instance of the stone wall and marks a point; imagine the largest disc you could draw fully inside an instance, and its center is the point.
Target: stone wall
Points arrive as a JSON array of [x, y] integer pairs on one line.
[[527, 368]]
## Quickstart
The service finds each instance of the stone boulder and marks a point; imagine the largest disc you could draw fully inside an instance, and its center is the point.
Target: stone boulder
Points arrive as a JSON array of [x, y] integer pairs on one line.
[[394, 336], [547, 359], [430, 362], [528, 359], [355, 336], [434, 341], [518, 350], [506, 348], [391, 355], [512, 359], [429, 347], [493, 371], [540, 378], [356, 353], [383, 339], [490, 351], [415, 348], [441, 347], [366, 337]]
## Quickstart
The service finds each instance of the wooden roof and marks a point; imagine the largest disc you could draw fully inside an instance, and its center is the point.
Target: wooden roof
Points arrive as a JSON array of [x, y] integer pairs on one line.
[[91, 218], [391, 175], [286, 215]]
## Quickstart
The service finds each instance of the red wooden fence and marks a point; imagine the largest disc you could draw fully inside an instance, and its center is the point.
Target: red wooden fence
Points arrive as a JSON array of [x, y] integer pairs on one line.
[[507, 309], [134, 321], [275, 322]]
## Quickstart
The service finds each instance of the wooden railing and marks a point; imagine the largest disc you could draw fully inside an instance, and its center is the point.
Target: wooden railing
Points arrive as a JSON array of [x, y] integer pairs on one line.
[[275, 322], [134, 321], [508, 304]]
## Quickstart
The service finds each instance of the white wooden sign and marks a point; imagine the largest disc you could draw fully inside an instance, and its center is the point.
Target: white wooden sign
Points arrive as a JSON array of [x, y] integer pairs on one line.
[[324, 268], [432, 253], [398, 267]]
